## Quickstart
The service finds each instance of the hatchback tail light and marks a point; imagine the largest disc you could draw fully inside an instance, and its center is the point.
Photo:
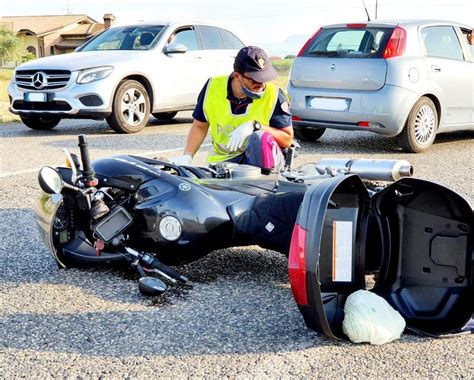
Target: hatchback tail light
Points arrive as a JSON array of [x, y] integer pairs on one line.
[[397, 43], [308, 42]]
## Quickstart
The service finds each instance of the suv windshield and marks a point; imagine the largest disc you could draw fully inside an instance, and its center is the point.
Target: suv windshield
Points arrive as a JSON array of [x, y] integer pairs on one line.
[[349, 42], [125, 38]]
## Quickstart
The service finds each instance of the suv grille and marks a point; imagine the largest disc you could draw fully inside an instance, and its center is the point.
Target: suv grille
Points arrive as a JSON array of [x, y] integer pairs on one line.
[[42, 79]]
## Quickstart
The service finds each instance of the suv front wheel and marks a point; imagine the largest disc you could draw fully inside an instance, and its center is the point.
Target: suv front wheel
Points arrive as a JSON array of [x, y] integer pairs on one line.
[[420, 128], [40, 123], [130, 109]]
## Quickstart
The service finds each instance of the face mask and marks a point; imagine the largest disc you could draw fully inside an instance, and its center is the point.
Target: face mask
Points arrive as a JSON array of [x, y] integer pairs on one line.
[[251, 94]]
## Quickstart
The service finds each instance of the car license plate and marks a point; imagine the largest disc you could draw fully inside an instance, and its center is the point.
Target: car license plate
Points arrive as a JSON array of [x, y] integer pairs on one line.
[[329, 104], [35, 97]]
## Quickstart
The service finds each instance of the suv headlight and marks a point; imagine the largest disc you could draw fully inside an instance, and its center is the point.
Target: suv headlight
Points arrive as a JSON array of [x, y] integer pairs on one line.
[[93, 74]]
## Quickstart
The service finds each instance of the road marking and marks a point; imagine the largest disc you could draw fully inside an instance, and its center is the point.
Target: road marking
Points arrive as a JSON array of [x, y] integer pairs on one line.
[[19, 172], [11, 174]]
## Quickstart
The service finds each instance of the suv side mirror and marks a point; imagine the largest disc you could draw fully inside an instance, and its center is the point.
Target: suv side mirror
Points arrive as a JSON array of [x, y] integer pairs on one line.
[[175, 48]]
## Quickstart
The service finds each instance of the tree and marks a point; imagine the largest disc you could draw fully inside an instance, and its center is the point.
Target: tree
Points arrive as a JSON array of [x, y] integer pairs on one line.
[[11, 47]]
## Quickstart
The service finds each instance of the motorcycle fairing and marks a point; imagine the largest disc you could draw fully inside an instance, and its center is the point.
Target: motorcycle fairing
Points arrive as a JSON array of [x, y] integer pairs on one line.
[[419, 232]]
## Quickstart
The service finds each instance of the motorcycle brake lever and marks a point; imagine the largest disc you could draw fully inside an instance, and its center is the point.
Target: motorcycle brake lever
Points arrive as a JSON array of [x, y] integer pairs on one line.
[[154, 270]]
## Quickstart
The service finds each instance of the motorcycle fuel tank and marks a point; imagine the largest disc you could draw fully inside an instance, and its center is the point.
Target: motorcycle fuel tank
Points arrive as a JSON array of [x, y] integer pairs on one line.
[[417, 236]]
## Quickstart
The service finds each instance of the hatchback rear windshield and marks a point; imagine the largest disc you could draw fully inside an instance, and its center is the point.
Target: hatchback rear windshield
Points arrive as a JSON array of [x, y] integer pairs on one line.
[[349, 42], [126, 38]]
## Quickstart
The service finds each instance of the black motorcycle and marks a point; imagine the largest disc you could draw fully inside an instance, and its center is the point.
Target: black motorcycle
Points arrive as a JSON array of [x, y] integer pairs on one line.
[[337, 220]]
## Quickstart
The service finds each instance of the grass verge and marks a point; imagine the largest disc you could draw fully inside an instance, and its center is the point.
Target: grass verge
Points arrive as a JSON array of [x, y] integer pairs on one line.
[[282, 66], [5, 115]]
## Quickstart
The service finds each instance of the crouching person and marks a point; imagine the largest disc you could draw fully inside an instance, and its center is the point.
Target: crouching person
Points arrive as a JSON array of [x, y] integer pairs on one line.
[[248, 117]]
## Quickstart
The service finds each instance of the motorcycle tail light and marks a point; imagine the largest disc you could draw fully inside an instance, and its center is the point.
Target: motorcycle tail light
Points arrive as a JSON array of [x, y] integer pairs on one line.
[[297, 265]]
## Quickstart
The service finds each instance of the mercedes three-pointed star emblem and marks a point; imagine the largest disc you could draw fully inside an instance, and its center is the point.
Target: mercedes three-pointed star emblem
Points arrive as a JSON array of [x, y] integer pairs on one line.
[[39, 80]]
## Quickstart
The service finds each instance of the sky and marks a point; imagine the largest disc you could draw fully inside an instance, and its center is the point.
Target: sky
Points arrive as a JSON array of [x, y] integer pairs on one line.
[[261, 22]]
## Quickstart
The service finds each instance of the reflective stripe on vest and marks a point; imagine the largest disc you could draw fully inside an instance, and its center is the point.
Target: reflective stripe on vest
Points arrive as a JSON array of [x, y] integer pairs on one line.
[[222, 121]]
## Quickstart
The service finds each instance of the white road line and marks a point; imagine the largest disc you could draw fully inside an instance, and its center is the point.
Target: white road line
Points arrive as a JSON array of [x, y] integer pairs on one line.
[[19, 172], [11, 174]]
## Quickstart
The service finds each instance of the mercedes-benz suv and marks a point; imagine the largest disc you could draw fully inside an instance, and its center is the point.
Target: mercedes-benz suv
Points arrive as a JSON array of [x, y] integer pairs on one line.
[[124, 74]]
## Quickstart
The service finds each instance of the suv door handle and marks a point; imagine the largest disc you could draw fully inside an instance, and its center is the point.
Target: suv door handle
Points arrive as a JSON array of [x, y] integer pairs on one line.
[[436, 68]]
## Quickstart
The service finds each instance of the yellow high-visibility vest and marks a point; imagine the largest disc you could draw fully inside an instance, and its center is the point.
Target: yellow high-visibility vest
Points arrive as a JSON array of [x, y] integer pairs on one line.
[[222, 121]]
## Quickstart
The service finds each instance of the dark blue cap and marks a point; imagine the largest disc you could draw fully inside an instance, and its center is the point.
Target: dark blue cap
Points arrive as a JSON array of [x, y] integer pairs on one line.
[[255, 63]]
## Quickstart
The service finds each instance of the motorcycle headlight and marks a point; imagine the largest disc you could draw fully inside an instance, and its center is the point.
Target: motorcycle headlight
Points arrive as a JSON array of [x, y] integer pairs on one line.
[[93, 74]]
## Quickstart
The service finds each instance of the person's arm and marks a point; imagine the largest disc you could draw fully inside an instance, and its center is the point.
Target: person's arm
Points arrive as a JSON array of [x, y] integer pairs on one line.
[[280, 123], [196, 136], [200, 126], [282, 135]]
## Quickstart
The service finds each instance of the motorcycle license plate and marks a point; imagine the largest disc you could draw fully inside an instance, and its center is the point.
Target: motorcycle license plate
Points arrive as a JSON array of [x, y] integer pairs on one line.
[[41, 97]]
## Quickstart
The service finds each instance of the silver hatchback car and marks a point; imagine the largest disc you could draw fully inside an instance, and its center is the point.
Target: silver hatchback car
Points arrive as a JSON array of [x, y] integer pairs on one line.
[[407, 79]]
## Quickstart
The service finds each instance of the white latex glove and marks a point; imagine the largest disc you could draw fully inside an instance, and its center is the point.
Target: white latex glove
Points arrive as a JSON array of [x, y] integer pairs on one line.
[[369, 318], [238, 136], [185, 159]]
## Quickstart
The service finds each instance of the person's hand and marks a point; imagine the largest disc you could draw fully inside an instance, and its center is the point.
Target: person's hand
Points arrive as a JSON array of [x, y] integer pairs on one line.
[[238, 136], [185, 160]]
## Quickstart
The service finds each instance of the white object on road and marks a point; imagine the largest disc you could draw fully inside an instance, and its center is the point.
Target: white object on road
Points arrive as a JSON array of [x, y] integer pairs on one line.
[[369, 318]]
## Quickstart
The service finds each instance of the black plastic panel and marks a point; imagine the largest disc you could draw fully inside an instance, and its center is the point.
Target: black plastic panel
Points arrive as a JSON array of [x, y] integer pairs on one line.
[[427, 273]]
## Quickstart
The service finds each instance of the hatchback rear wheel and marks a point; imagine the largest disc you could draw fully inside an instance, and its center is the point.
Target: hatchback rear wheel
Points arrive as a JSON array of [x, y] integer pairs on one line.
[[131, 108], [420, 128], [309, 134]]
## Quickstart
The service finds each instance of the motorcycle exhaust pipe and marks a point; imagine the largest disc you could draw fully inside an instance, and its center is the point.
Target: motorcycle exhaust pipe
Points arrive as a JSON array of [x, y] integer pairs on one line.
[[377, 170]]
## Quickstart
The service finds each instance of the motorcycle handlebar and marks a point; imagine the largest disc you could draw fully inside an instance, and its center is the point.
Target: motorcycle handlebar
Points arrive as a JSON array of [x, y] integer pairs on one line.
[[86, 162], [168, 271]]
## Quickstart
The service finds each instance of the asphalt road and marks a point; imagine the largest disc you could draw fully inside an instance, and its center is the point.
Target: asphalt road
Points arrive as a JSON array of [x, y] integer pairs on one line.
[[239, 320]]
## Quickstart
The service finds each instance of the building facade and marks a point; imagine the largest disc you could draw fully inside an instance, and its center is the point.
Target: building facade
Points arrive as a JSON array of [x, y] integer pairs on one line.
[[43, 36]]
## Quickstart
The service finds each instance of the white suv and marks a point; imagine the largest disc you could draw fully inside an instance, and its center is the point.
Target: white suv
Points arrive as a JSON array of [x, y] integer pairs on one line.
[[124, 74]]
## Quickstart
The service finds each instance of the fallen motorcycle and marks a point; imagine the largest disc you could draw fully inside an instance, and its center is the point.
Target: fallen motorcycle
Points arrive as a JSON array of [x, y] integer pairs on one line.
[[335, 219]]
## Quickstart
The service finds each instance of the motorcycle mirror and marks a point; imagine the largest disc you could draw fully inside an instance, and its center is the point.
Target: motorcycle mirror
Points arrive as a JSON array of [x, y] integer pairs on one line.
[[50, 180], [151, 286]]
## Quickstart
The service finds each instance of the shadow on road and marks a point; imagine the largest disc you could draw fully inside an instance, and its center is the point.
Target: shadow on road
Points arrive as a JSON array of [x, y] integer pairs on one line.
[[338, 142], [75, 127]]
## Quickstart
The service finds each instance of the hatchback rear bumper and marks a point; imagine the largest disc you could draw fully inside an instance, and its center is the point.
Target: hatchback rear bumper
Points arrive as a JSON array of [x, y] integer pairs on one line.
[[382, 111]]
